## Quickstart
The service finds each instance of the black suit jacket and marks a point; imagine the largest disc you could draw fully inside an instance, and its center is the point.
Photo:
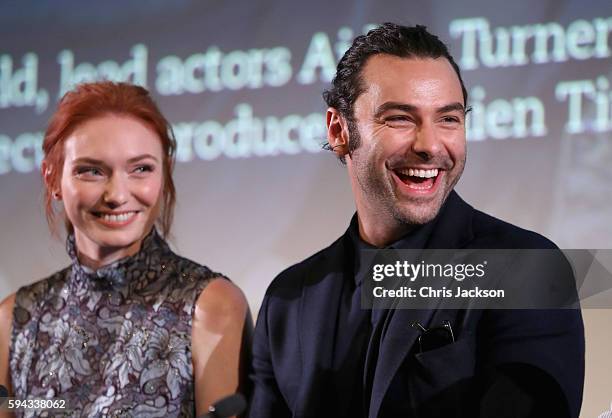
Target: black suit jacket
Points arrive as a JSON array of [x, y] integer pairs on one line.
[[503, 362]]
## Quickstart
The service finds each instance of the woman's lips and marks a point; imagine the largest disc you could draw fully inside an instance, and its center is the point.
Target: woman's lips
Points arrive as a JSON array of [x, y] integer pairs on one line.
[[116, 219]]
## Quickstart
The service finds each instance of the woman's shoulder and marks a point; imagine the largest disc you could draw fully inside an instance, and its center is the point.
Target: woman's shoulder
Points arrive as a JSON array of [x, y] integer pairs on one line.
[[211, 290], [29, 297], [188, 271], [43, 289], [6, 312], [217, 295], [221, 309], [222, 297]]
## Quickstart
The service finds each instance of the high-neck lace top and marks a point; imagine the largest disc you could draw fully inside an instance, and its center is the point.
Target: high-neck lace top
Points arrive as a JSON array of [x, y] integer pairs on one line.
[[111, 342]]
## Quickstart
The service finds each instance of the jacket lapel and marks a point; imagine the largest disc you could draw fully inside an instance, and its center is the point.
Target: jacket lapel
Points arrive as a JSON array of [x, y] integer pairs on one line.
[[453, 229], [318, 318]]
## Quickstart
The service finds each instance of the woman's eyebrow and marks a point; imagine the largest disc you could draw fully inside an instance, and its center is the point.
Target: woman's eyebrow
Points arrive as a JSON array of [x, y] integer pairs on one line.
[[87, 160], [142, 157]]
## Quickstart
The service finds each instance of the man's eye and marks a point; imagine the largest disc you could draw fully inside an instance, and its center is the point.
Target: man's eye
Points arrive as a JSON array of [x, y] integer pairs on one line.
[[450, 119], [399, 120]]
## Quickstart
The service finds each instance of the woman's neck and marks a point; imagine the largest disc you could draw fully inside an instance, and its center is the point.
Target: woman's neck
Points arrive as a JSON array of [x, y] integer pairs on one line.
[[95, 256]]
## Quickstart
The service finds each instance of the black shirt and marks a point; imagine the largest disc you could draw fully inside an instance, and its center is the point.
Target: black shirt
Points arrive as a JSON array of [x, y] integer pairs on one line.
[[359, 331]]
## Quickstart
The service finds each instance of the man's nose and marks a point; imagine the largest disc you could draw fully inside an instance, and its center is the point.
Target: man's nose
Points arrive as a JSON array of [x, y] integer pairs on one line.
[[116, 192], [426, 143]]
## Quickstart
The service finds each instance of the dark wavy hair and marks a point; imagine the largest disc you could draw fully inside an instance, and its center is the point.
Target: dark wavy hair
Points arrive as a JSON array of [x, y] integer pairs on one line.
[[388, 38]]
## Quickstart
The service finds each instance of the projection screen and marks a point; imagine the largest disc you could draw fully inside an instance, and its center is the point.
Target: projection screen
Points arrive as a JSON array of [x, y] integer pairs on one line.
[[241, 84]]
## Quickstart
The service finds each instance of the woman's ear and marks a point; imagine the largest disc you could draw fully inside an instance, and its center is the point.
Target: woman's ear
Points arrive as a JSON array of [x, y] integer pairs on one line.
[[48, 177]]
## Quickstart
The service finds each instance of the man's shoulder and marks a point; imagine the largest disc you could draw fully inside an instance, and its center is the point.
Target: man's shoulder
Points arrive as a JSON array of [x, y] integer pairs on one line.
[[491, 232], [291, 280]]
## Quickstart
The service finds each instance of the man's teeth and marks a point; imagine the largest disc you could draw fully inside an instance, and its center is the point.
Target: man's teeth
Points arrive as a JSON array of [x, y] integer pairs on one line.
[[118, 218], [419, 173]]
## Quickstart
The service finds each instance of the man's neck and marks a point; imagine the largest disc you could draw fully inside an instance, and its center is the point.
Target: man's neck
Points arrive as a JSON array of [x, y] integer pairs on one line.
[[380, 233]]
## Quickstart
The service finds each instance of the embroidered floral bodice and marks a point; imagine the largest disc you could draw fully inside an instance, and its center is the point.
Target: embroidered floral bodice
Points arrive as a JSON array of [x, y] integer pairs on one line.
[[111, 342]]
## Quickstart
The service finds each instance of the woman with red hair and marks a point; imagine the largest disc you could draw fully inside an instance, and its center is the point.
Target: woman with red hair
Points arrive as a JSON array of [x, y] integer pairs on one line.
[[129, 328]]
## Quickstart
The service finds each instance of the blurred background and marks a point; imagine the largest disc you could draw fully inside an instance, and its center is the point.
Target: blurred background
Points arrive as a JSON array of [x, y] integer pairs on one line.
[[241, 84]]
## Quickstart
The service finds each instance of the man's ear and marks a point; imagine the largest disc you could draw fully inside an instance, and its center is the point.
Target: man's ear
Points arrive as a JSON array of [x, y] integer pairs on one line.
[[337, 132], [46, 170]]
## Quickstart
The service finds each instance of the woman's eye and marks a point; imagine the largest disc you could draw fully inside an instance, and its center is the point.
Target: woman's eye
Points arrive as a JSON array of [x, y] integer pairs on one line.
[[88, 171], [143, 169]]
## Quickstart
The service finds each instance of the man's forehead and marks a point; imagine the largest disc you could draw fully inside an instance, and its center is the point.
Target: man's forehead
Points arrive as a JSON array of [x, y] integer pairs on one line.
[[384, 73]]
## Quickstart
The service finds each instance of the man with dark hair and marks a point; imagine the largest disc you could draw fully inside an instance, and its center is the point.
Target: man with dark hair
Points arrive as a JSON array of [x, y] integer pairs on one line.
[[348, 82], [396, 118]]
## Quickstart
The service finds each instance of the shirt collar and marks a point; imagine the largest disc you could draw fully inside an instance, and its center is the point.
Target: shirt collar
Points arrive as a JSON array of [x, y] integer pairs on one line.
[[131, 270], [415, 239]]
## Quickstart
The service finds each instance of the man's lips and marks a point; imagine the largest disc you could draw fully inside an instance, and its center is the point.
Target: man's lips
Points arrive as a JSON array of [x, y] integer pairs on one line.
[[419, 172], [418, 180]]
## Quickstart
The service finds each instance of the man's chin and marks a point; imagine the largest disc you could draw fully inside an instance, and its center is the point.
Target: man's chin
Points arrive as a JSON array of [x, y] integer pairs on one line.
[[417, 214]]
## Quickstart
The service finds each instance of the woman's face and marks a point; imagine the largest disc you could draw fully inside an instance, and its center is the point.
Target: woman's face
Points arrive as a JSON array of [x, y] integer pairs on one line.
[[112, 184]]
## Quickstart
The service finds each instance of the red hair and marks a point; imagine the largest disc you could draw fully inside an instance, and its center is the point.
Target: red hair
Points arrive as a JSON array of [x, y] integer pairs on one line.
[[91, 100]]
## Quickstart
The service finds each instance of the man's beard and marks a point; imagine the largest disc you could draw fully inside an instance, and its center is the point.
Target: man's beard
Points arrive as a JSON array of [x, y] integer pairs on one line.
[[378, 188]]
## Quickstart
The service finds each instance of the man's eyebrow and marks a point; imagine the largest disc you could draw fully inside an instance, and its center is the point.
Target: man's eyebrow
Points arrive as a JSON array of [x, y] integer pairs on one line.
[[408, 108], [404, 107], [451, 108]]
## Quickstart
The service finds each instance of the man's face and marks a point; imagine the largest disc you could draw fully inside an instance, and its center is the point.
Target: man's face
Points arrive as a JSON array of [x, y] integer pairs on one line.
[[411, 122]]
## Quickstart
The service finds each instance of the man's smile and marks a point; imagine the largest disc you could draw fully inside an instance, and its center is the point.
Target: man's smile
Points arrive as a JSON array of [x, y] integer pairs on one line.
[[417, 180]]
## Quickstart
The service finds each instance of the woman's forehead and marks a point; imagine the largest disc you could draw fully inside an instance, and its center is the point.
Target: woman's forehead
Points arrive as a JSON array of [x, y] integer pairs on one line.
[[113, 137]]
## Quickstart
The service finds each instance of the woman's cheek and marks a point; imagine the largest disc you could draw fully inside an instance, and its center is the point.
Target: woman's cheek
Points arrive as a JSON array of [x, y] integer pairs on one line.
[[150, 192]]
